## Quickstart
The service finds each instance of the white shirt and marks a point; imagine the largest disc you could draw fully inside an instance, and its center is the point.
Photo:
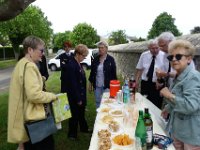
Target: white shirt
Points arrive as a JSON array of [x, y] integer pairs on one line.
[[145, 62]]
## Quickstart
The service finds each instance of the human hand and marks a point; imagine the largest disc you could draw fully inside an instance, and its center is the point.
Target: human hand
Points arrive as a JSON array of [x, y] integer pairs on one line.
[[90, 87], [165, 114], [160, 73], [80, 103], [166, 93]]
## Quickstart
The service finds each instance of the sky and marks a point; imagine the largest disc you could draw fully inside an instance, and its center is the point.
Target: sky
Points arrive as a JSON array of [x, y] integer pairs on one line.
[[134, 16]]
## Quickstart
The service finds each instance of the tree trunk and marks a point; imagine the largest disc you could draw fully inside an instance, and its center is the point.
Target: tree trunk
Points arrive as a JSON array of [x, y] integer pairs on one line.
[[11, 8]]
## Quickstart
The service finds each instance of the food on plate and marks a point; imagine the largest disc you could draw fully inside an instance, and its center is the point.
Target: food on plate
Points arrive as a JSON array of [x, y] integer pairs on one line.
[[107, 119], [116, 112], [108, 101], [104, 133], [105, 110], [123, 140], [104, 142], [114, 126]]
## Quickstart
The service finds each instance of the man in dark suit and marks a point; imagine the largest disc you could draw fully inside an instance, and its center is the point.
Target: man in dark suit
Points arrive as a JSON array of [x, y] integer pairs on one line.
[[64, 59]]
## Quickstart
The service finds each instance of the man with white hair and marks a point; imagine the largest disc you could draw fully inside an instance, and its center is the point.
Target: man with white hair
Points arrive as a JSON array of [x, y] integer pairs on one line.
[[148, 63], [166, 75]]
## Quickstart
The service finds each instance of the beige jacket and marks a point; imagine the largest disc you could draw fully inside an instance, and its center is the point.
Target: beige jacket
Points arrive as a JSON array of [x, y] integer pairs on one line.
[[34, 98]]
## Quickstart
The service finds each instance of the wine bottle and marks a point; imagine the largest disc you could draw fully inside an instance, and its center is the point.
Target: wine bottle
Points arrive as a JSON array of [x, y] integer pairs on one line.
[[149, 128]]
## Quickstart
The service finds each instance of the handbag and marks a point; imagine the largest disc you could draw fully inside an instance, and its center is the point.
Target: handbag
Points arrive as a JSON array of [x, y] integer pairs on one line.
[[39, 130]]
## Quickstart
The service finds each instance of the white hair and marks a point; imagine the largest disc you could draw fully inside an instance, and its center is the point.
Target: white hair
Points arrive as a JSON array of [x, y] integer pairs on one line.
[[104, 43], [167, 36], [153, 41]]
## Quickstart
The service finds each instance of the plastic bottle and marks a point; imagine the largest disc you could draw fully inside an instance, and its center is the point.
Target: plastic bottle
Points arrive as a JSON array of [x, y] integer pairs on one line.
[[140, 131], [149, 128], [126, 92]]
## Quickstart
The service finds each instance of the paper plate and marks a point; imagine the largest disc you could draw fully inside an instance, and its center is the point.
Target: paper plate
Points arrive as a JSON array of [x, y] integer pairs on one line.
[[116, 112]]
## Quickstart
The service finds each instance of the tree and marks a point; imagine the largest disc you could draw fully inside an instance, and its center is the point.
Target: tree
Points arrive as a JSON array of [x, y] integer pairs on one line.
[[195, 30], [164, 22], [60, 38], [117, 37], [11, 8], [85, 34], [30, 22]]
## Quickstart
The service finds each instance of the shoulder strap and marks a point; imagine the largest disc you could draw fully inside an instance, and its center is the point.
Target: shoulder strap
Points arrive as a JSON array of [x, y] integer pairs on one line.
[[23, 89]]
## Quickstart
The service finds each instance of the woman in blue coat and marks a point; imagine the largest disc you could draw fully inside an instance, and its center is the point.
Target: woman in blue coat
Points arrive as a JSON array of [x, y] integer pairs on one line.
[[183, 97]]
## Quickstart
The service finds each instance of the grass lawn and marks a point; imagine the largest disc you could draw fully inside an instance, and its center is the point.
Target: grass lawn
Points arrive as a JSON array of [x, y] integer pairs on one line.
[[7, 63], [61, 140]]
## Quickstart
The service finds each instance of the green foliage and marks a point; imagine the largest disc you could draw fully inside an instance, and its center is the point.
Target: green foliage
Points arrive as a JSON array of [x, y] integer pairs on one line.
[[195, 30], [60, 38], [29, 22], [164, 22], [84, 33], [6, 52], [117, 37]]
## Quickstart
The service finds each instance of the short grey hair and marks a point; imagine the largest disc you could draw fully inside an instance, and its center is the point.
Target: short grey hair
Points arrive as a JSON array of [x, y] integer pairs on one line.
[[153, 41], [104, 43], [167, 36]]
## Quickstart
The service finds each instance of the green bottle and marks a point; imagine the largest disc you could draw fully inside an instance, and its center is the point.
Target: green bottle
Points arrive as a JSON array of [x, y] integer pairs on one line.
[[141, 130], [149, 128]]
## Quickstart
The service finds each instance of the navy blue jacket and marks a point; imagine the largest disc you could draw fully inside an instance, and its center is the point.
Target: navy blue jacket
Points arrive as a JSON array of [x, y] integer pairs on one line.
[[75, 82], [64, 59], [109, 68]]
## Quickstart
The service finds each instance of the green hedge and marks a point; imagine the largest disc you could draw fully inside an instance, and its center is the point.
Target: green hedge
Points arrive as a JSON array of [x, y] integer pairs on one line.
[[9, 52]]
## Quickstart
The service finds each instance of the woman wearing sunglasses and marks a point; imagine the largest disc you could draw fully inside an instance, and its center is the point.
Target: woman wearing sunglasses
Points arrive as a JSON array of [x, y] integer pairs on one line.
[[183, 97]]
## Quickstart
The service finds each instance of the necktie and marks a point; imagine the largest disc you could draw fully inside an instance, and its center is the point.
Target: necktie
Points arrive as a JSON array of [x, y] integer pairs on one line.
[[151, 69]]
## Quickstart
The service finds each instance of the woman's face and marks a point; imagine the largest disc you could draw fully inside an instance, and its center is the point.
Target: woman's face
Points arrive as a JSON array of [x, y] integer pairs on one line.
[[102, 50], [81, 57], [36, 54], [179, 59]]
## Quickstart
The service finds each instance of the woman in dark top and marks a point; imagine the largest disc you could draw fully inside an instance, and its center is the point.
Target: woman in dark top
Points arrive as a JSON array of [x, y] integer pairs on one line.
[[103, 70], [76, 91]]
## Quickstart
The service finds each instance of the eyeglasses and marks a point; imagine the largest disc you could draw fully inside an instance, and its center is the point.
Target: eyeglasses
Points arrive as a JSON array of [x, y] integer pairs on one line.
[[177, 57], [42, 50]]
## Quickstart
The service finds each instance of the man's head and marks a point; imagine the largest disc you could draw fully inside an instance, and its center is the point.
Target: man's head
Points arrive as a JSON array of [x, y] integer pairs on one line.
[[67, 45], [164, 39], [153, 47]]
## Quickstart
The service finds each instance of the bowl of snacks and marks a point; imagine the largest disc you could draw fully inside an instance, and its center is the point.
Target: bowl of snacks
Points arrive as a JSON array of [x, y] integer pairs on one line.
[[123, 141]]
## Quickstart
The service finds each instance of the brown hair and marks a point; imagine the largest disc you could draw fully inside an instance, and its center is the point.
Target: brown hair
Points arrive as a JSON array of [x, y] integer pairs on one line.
[[81, 49], [33, 42]]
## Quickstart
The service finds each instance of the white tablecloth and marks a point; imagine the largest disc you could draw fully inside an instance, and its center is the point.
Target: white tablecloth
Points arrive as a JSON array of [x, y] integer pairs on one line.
[[142, 102]]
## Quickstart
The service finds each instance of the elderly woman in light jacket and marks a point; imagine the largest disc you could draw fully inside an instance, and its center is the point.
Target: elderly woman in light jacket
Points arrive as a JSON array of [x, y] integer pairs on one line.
[[183, 97], [28, 84]]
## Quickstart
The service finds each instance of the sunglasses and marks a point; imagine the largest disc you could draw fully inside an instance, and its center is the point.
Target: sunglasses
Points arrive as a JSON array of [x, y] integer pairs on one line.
[[42, 50], [177, 57]]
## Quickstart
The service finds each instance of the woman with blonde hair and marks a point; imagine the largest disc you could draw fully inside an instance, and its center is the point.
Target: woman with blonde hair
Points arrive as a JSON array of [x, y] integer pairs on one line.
[[183, 97], [26, 96]]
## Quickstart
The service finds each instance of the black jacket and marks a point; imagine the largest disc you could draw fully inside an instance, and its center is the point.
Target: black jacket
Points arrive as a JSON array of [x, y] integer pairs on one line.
[[42, 65], [64, 59], [109, 68], [75, 82]]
